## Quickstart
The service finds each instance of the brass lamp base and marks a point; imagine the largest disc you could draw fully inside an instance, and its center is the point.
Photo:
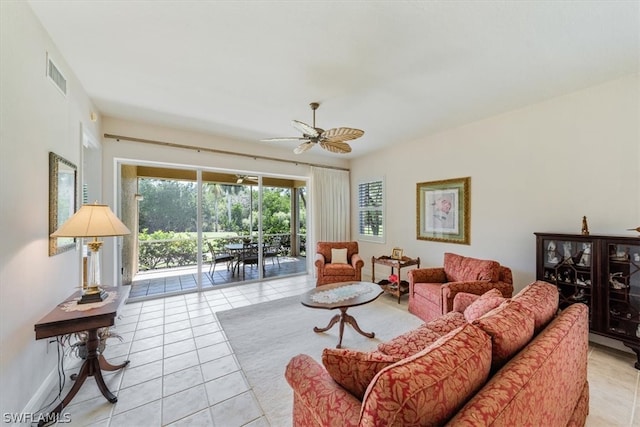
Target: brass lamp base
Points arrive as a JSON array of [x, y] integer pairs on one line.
[[98, 296]]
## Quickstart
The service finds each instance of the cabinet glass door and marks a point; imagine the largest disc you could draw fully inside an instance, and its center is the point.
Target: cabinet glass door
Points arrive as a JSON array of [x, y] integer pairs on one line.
[[623, 276], [567, 264]]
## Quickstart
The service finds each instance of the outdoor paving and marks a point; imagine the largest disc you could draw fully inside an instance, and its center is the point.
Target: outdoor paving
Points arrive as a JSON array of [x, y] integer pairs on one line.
[[158, 283]]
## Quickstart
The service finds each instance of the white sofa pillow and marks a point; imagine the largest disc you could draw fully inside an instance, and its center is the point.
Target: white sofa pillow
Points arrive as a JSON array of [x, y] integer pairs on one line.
[[339, 256]]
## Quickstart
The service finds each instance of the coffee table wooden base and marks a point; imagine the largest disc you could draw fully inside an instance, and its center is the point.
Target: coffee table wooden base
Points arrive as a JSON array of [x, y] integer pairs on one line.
[[343, 318]]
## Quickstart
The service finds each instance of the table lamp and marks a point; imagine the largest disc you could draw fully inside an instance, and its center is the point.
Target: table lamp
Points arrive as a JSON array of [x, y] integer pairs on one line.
[[92, 221]]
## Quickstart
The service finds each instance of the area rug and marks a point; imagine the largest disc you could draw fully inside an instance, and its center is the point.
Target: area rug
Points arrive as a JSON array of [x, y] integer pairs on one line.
[[266, 336]]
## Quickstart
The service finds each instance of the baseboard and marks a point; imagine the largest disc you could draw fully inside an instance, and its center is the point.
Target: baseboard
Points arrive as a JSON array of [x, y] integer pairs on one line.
[[38, 400], [609, 342]]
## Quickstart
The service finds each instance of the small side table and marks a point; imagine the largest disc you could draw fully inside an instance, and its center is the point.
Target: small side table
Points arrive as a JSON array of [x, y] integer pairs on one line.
[[403, 286], [62, 322]]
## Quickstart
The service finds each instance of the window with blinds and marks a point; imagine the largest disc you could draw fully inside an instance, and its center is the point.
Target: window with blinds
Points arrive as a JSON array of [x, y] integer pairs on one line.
[[371, 210]]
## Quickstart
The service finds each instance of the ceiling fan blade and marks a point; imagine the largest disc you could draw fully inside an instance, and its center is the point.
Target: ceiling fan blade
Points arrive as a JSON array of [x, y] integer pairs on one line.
[[341, 134], [305, 128], [285, 138], [303, 147], [336, 147], [242, 178]]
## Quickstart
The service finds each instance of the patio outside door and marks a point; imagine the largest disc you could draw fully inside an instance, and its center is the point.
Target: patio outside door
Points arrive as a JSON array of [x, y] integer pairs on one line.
[[232, 210]]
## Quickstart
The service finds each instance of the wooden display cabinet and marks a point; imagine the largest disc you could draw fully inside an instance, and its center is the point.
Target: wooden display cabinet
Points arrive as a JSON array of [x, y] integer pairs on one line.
[[602, 272]]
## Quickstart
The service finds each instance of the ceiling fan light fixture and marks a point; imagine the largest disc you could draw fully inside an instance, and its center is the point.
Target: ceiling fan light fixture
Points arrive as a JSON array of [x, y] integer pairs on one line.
[[242, 178], [332, 140]]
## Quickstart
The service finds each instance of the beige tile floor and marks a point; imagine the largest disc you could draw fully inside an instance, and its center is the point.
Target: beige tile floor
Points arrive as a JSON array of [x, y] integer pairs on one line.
[[184, 373]]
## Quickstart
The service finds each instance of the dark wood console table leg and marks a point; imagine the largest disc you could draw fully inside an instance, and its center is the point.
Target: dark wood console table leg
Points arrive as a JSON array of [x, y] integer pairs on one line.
[[106, 366], [92, 367], [343, 318]]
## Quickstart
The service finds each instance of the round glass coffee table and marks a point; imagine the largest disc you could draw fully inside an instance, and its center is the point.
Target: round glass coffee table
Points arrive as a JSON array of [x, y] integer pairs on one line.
[[342, 296]]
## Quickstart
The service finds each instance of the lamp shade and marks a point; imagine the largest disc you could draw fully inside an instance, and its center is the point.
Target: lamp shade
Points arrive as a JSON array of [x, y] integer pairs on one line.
[[92, 221]]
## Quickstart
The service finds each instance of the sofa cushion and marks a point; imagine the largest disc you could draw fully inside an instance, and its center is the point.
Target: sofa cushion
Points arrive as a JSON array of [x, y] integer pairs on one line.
[[418, 339], [338, 270], [485, 303], [462, 269], [510, 327], [409, 343], [541, 298], [354, 369], [544, 385], [339, 256], [462, 300], [447, 322], [430, 386]]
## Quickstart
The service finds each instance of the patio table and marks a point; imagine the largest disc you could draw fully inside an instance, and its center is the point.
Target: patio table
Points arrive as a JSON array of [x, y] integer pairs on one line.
[[236, 249]]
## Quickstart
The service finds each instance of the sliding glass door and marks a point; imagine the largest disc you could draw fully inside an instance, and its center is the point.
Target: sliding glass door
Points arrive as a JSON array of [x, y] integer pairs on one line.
[[183, 231]]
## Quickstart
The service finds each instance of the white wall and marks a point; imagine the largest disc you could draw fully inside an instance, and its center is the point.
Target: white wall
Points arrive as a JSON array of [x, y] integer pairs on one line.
[[539, 168], [35, 119]]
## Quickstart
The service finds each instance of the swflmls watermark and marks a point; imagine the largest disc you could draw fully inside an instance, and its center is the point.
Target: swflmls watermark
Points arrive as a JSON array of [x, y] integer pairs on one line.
[[29, 418]]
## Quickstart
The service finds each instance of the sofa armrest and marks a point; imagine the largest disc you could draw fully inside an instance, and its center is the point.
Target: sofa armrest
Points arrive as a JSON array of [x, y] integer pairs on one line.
[[451, 289], [356, 261], [320, 261], [477, 287], [505, 287], [462, 300], [318, 399], [427, 275]]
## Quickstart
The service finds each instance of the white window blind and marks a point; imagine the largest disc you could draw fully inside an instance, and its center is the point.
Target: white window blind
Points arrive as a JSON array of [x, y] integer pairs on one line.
[[371, 210]]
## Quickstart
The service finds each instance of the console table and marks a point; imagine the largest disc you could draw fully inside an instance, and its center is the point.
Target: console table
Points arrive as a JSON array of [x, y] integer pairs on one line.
[[63, 320], [400, 288]]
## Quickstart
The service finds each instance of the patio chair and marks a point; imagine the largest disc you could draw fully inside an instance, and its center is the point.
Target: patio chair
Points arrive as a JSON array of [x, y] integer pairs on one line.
[[285, 245], [272, 250], [249, 256], [216, 257]]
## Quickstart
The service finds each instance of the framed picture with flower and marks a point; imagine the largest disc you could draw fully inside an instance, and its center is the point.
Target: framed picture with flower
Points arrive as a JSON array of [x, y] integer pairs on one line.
[[396, 253], [443, 209]]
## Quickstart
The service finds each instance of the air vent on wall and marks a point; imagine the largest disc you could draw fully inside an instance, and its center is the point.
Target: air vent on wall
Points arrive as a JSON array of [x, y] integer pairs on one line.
[[56, 77]]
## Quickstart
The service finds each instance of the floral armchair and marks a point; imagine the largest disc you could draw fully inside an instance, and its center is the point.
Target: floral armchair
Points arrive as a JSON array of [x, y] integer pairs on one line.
[[331, 269], [432, 290]]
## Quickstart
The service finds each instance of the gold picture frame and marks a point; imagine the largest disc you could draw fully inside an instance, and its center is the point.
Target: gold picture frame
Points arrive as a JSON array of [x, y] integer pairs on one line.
[[443, 210], [397, 253], [63, 177]]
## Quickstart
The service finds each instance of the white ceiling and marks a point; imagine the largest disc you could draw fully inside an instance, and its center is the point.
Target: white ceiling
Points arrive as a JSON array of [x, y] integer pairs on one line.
[[396, 69]]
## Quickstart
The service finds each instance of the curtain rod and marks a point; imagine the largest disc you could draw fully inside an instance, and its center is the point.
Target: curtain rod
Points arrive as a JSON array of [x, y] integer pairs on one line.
[[213, 150]]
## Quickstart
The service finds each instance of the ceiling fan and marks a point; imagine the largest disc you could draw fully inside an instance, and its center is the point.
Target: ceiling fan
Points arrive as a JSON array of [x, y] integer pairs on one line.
[[332, 140], [249, 178]]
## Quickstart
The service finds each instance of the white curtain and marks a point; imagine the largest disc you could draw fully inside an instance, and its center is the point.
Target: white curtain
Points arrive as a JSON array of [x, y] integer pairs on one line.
[[331, 201]]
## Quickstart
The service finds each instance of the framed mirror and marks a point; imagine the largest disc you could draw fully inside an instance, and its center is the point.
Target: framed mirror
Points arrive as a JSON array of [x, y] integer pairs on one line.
[[63, 176]]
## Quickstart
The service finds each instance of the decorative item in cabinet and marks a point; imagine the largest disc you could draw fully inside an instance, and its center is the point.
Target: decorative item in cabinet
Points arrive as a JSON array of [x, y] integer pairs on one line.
[[568, 266], [623, 274]]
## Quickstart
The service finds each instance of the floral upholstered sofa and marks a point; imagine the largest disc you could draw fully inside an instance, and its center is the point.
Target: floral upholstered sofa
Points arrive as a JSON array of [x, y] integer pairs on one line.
[[432, 290], [490, 362]]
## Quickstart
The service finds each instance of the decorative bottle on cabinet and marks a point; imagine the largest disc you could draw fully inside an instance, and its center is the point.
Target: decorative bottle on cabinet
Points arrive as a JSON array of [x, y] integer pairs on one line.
[[602, 272]]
